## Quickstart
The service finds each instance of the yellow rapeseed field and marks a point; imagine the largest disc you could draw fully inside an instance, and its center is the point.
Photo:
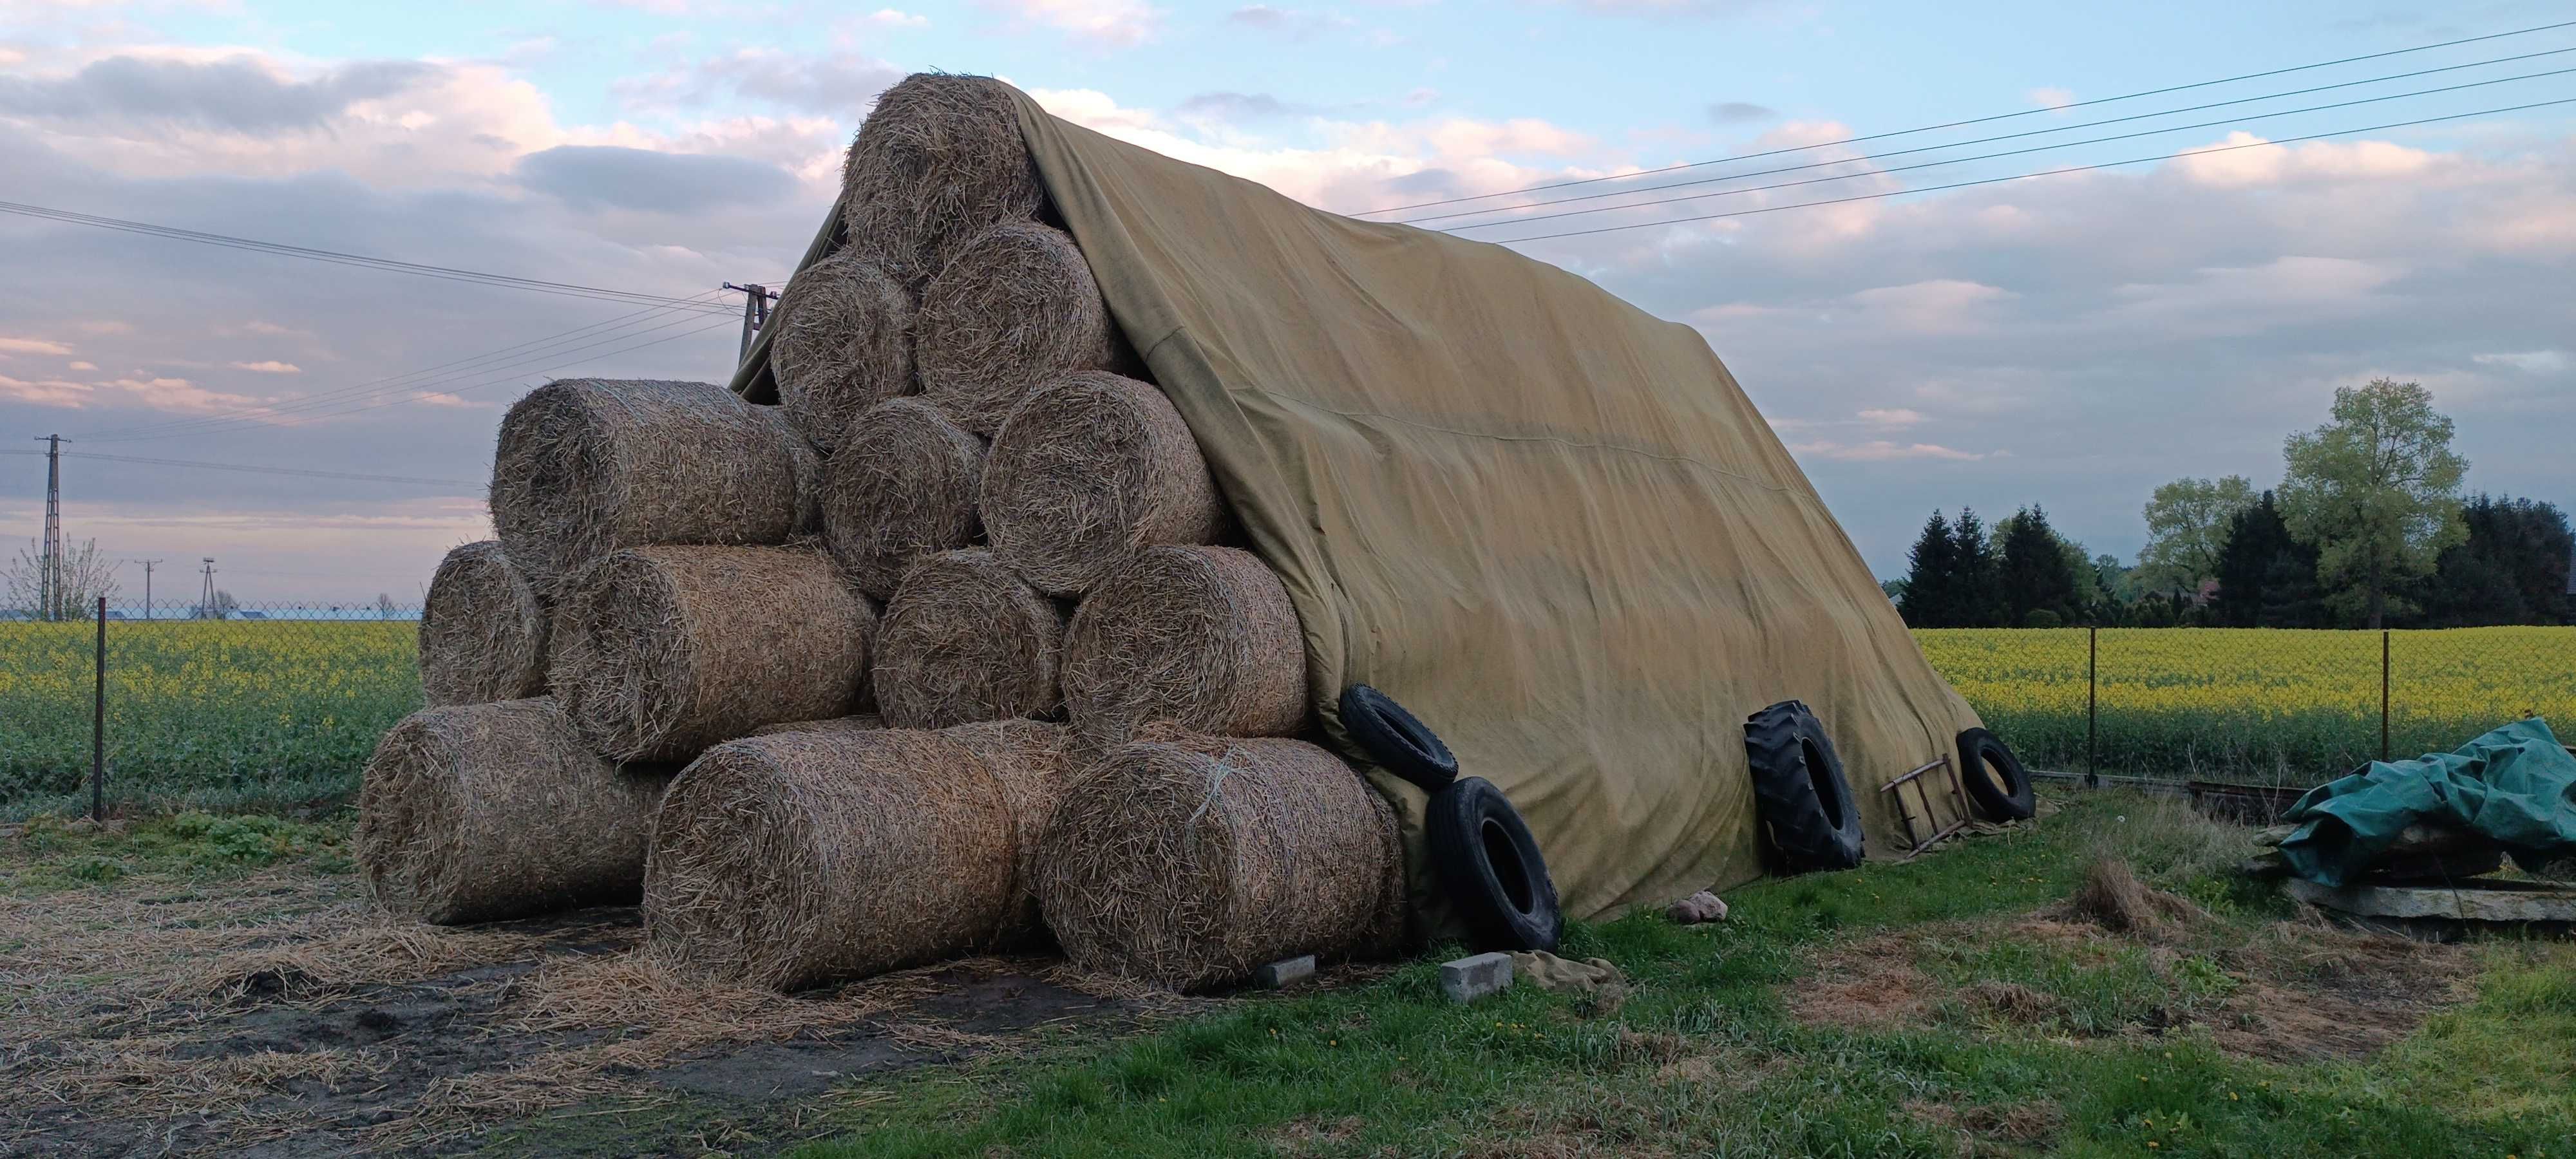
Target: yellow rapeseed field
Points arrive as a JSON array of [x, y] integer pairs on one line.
[[2248, 702]]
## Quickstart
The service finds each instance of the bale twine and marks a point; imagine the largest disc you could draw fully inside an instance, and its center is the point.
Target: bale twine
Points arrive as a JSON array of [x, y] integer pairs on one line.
[[589, 465], [801, 858], [844, 344], [938, 163], [1202, 636], [856, 722], [1188, 860], [1012, 310], [901, 486], [1091, 468], [482, 630], [476, 812], [673, 649], [966, 639]]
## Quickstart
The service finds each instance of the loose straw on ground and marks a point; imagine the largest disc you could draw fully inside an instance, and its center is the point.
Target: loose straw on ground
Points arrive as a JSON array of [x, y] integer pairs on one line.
[[482, 630], [1012, 310], [966, 639], [1202, 636], [1090, 469], [901, 486], [844, 344], [938, 163]]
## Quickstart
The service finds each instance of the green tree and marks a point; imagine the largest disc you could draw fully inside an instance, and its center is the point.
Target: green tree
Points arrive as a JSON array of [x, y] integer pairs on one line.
[[2377, 491], [1977, 600], [1931, 575], [2186, 525], [2266, 579], [2511, 569], [2034, 573]]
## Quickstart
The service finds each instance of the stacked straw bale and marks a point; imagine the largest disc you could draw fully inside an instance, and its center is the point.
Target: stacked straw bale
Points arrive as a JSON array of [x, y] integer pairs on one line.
[[1015, 308], [966, 639], [586, 466], [1090, 469], [902, 485], [1201, 636], [1188, 860], [938, 163], [482, 630], [800, 858], [844, 344], [484, 811], [860, 722], [667, 650]]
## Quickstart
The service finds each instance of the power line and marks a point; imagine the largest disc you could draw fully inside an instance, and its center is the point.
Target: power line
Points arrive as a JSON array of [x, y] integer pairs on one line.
[[2027, 176], [2029, 133], [1982, 156], [310, 474], [446, 273], [1976, 120]]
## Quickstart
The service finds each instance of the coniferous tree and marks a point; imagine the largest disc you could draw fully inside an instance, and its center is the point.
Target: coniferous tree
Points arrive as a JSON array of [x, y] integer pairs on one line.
[[2512, 568], [2035, 575], [1978, 600], [1930, 578], [2266, 578]]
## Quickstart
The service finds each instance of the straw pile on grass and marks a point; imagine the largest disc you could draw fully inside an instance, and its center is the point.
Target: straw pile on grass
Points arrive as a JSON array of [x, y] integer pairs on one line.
[[586, 466], [1091, 468], [966, 639], [671, 649], [801, 858], [1012, 310], [482, 630], [844, 344], [901, 486], [938, 163], [1188, 860], [1202, 636], [483, 811]]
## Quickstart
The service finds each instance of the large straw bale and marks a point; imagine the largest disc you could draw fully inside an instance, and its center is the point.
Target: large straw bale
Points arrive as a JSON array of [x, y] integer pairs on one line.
[[966, 639], [1188, 860], [801, 858], [476, 812], [672, 649], [844, 344], [855, 722], [482, 630], [589, 465], [1201, 636], [1031, 760], [1014, 309], [938, 163], [901, 486], [1091, 468]]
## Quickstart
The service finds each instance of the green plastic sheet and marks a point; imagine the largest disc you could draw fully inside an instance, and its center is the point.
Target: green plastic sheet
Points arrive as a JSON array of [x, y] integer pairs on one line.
[[2515, 785]]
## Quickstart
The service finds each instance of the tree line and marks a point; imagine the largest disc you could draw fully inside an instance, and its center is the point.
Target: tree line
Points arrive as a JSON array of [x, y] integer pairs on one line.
[[2368, 528]]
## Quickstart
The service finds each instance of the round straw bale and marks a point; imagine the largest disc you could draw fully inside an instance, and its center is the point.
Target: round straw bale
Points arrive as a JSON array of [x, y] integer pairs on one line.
[[1014, 309], [844, 344], [475, 812], [801, 858], [587, 465], [966, 639], [902, 486], [856, 722], [1188, 860], [1029, 760], [482, 630], [938, 163], [1092, 467], [673, 649], [1202, 636]]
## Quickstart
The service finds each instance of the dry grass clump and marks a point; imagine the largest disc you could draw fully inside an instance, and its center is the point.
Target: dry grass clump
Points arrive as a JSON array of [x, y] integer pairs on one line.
[[480, 811], [671, 649], [796, 859], [966, 639], [1091, 468], [588, 465], [856, 722], [1203, 636], [1189, 860], [1014, 309], [301, 971], [482, 630], [2112, 897], [902, 486], [938, 163], [844, 344]]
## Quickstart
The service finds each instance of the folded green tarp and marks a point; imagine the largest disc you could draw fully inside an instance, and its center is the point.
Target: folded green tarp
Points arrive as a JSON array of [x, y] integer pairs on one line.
[[2515, 786]]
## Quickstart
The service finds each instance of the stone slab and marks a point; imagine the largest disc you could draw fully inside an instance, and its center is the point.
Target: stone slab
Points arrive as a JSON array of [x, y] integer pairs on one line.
[[1285, 972], [1476, 976]]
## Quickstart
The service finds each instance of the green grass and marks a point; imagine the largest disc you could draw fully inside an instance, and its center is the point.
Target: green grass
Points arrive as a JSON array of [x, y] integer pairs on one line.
[[55, 855], [1704, 1059]]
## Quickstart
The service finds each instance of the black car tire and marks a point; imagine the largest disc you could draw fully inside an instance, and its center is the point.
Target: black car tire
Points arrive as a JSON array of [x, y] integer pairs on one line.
[[1805, 803], [1396, 740], [1997, 783], [1485, 856]]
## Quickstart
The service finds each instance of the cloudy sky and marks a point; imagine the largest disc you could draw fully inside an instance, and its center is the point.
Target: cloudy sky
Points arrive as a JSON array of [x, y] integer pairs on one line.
[[2069, 340]]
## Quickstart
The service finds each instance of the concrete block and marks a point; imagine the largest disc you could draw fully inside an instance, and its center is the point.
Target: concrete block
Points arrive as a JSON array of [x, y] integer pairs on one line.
[[1471, 978], [1285, 972]]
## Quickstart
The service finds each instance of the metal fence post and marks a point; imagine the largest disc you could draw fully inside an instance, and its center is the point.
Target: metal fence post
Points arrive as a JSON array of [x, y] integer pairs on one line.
[[2383, 694], [98, 726], [2092, 705]]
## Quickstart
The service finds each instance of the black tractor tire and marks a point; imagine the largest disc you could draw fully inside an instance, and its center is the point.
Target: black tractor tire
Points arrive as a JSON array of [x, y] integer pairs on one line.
[[1997, 784], [1805, 804], [1491, 866], [1398, 742]]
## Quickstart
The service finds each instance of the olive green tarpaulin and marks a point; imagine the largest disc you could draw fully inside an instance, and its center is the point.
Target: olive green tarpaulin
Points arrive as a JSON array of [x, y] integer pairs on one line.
[[1547, 522]]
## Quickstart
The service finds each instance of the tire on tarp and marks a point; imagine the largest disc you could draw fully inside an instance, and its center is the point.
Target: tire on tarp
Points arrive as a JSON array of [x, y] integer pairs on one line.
[[1398, 742], [1806, 805], [1485, 857]]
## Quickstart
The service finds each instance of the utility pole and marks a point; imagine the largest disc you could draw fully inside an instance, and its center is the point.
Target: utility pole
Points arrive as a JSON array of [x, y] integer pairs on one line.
[[49, 569], [147, 585], [755, 314], [206, 603]]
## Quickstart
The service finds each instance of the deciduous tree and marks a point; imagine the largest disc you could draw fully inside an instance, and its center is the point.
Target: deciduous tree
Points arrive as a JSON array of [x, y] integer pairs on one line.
[[2377, 492], [2186, 526]]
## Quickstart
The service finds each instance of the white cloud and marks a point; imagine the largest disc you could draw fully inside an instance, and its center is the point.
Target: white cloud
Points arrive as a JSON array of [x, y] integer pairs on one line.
[[84, 366], [270, 366], [2051, 97], [892, 18], [2247, 161], [1881, 450], [1891, 417], [1115, 23], [50, 392], [181, 395], [9, 346], [2528, 361], [1933, 306]]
